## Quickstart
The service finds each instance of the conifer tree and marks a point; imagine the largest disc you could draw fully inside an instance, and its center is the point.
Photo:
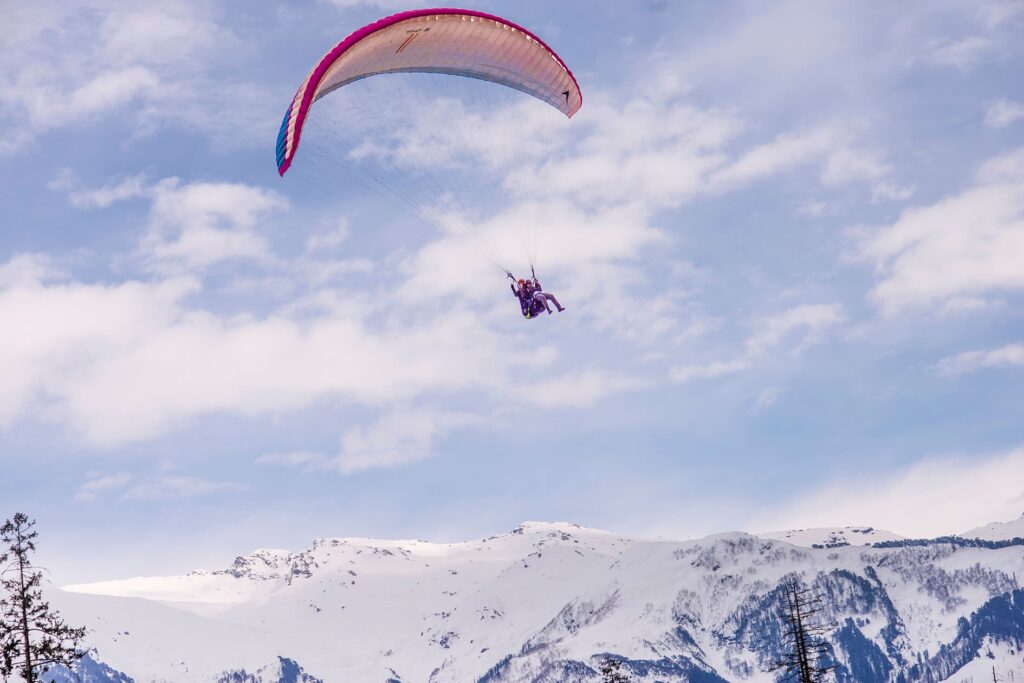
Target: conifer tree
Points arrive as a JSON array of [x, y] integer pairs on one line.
[[35, 638], [611, 671]]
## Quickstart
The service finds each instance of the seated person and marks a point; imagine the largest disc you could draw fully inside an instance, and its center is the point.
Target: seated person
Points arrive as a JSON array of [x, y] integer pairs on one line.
[[532, 298]]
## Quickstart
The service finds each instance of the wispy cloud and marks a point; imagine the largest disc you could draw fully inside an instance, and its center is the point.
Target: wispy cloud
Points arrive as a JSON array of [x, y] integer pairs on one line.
[[578, 389], [831, 148], [193, 225], [307, 461], [1003, 113], [330, 239], [397, 438], [963, 245], [803, 325], [71, 65], [123, 486], [937, 496], [968, 361], [103, 485], [964, 54], [114, 191]]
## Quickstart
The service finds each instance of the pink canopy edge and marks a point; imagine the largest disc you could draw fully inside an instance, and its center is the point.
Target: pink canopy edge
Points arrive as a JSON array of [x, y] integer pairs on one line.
[[356, 36]]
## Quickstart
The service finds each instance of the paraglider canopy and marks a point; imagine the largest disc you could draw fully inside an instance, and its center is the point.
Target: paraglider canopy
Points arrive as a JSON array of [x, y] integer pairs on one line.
[[447, 41]]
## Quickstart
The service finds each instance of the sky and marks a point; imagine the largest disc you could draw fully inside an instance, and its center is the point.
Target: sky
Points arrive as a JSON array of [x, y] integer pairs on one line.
[[789, 237]]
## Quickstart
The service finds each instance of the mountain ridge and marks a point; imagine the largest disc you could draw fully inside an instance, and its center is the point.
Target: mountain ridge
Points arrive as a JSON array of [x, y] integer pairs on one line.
[[546, 601]]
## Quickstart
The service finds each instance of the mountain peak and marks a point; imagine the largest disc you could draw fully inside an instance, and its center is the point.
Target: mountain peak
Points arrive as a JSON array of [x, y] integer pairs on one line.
[[530, 527], [998, 531]]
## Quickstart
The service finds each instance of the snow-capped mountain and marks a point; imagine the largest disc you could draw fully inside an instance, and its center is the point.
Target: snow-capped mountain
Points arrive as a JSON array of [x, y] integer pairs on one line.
[[547, 602]]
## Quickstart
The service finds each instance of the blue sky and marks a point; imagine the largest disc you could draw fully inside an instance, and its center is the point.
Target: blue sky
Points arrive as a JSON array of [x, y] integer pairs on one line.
[[789, 236]]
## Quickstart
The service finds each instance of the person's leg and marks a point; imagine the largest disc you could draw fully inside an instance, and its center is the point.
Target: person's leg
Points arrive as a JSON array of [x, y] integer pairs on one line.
[[552, 299], [542, 299]]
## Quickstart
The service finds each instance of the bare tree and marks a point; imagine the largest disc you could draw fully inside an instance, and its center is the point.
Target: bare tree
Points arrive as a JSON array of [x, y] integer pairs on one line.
[[35, 638], [807, 648]]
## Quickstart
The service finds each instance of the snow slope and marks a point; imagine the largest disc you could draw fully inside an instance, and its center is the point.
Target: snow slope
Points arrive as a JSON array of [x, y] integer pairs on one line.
[[830, 537], [546, 602], [998, 531]]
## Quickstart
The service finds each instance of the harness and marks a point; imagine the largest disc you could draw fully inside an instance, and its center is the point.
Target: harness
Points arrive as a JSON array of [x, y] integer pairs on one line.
[[531, 308]]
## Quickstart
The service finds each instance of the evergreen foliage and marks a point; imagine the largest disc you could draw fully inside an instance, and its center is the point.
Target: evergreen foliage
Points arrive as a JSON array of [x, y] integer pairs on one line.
[[34, 637], [611, 671], [955, 541]]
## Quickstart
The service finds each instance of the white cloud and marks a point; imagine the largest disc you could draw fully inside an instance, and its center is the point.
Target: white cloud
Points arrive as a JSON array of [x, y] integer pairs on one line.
[[578, 389], [28, 270], [783, 153], [718, 368], [195, 225], [842, 162], [397, 438], [1003, 113], [814, 209], [102, 485], [69, 64], [157, 486], [170, 486], [61, 325], [307, 461], [809, 320], [964, 54], [968, 361], [124, 362], [575, 242], [331, 239], [162, 364], [641, 150], [106, 91], [846, 165], [158, 34], [129, 187], [47, 108], [960, 305], [934, 497], [963, 245], [994, 13]]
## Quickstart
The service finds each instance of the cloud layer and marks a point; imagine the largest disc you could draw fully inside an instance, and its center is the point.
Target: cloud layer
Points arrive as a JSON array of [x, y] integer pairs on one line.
[[915, 501]]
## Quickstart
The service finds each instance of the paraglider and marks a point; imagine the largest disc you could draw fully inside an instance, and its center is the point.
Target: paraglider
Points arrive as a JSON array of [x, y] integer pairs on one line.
[[533, 300], [457, 43]]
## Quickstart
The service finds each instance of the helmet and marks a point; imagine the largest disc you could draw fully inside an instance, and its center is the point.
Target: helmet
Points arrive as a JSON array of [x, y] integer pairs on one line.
[[522, 282]]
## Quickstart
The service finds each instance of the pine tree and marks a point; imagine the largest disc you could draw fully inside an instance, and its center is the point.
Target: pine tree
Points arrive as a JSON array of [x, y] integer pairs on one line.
[[35, 637], [611, 670], [805, 640]]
